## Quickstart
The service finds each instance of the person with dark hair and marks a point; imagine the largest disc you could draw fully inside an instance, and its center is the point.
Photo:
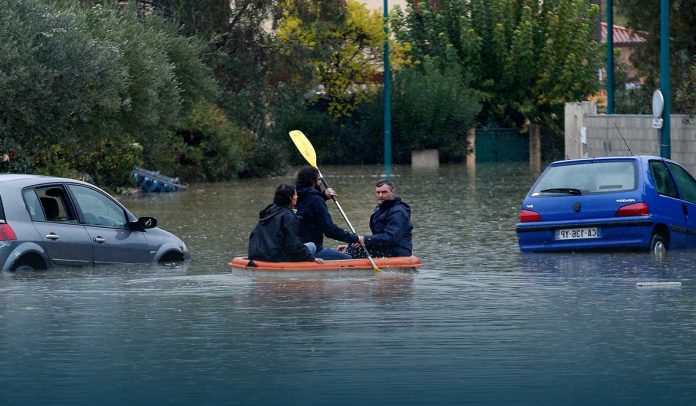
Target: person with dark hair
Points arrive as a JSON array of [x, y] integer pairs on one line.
[[275, 236], [315, 220], [390, 224]]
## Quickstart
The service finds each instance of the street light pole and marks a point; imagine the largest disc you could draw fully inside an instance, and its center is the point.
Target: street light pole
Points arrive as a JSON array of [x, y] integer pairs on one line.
[[665, 86], [610, 57], [387, 95]]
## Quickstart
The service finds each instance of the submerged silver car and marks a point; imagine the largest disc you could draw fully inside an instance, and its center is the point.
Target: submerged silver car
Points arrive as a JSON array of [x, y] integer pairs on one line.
[[50, 221]]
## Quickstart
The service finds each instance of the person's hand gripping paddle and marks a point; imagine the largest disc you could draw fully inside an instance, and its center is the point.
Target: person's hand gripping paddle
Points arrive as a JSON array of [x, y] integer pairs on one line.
[[307, 150]]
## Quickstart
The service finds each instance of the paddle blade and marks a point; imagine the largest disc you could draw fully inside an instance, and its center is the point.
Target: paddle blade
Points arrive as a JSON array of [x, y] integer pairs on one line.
[[372, 261], [304, 146]]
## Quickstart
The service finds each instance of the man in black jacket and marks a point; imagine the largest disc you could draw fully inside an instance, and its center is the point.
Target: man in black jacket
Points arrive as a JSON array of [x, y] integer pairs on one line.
[[315, 220], [275, 236], [390, 224]]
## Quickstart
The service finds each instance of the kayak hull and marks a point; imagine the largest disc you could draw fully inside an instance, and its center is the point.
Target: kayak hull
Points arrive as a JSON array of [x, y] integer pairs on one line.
[[337, 265]]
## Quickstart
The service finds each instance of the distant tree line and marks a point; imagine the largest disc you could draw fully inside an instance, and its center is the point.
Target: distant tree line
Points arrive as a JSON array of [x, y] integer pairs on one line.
[[208, 89]]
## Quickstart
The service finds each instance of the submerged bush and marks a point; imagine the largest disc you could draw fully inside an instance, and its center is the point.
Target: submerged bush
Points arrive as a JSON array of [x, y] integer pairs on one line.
[[209, 147]]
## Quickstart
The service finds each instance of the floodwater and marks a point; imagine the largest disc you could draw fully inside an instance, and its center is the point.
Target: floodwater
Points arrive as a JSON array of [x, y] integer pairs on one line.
[[480, 323]]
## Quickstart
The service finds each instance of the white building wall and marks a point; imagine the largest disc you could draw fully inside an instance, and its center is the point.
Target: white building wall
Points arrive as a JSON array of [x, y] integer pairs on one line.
[[624, 134]]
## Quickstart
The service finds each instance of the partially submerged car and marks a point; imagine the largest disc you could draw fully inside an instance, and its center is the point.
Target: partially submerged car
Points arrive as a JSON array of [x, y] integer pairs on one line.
[[625, 203], [49, 221]]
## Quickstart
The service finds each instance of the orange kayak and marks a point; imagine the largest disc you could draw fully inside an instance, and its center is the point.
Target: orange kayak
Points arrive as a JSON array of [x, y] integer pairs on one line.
[[336, 265]]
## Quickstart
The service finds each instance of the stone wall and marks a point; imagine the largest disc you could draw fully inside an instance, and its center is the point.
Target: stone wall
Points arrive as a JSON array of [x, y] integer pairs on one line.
[[588, 134]]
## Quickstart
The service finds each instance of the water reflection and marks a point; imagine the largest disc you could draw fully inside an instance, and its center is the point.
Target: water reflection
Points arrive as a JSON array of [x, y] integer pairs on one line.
[[479, 323]]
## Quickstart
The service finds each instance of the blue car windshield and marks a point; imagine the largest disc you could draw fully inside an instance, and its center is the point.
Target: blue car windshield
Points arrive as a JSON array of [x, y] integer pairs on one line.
[[587, 178]]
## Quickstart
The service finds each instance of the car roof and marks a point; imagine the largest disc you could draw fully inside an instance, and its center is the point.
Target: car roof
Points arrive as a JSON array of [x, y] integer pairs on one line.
[[27, 179], [610, 158]]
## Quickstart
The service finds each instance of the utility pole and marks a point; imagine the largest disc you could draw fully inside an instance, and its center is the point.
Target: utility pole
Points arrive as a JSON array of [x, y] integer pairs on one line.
[[665, 86], [610, 57], [387, 96]]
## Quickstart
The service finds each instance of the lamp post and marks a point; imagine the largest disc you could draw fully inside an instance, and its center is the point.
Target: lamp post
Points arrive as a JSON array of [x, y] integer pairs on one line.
[[387, 96], [665, 85], [610, 57]]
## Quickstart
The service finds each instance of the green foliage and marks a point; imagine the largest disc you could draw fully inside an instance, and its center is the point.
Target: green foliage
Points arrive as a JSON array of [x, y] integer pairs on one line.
[[526, 58], [247, 64], [629, 98], [355, 140], [202, 17], [17, 159], [56, 80], [685, 95], [56, 161], [344, 44], [267, 158], [209, 146], [433, 109], [319, 127], [112, 163], [643, 16], [165, 75], [79, 82]]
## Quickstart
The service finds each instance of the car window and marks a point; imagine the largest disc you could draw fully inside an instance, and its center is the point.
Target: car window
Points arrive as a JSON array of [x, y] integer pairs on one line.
[[663, 180], [685, 182], [97, 208], [587, 177], [33, 205], [55, 204]]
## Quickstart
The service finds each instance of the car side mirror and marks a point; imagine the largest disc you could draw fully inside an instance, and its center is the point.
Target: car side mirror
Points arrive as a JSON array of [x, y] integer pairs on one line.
[[143, 223]]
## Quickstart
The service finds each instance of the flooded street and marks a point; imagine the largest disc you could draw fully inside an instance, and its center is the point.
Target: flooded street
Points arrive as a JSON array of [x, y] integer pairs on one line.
[[479, 323]]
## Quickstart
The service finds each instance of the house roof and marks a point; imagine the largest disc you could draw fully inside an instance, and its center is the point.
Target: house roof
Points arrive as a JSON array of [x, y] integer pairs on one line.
[[623, 35]]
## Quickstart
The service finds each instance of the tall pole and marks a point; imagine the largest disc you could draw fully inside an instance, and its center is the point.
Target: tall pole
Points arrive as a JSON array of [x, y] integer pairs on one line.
[[610, 57], [664, 78], [387, 96]]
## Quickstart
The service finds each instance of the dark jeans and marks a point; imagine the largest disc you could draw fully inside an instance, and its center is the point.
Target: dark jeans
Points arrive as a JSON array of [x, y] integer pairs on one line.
[[331, 254]]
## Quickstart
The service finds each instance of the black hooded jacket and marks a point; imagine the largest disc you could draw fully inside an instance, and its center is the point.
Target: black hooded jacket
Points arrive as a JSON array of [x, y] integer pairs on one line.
[[315, 220], [275, 237], [391, 229]]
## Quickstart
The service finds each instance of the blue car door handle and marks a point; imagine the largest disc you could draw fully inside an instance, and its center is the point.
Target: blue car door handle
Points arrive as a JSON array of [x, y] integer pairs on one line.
[[99, 240], [685, 209], [52, 236]]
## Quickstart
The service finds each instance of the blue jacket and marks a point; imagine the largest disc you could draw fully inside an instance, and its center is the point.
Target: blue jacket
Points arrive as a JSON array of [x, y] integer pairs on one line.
[[315, 220], [391, 229]]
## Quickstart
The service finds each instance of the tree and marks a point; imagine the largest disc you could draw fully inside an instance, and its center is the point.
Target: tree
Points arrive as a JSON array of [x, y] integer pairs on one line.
[[526, 58], [644, 16], [344, 44], [80, 85], [433, 108], [257, 81], [685, 94], [58, 83]]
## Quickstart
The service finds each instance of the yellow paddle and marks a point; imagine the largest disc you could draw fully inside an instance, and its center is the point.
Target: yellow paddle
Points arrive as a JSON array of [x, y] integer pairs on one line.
[[307, 150]]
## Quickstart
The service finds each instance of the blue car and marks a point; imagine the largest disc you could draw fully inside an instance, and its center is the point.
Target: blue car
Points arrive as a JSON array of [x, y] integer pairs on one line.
[[612, 203]]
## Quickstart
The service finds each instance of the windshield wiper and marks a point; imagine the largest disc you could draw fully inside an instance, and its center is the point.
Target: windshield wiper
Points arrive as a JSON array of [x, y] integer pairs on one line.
[[567, 190]]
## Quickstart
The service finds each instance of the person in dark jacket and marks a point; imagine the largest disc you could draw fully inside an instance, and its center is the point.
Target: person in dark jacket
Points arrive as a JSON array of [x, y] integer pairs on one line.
[[275, 236], [390, 224], [315, 220]]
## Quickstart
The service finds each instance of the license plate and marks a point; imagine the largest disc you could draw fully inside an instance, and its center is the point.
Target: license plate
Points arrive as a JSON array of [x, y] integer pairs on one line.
[[577, 233]]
